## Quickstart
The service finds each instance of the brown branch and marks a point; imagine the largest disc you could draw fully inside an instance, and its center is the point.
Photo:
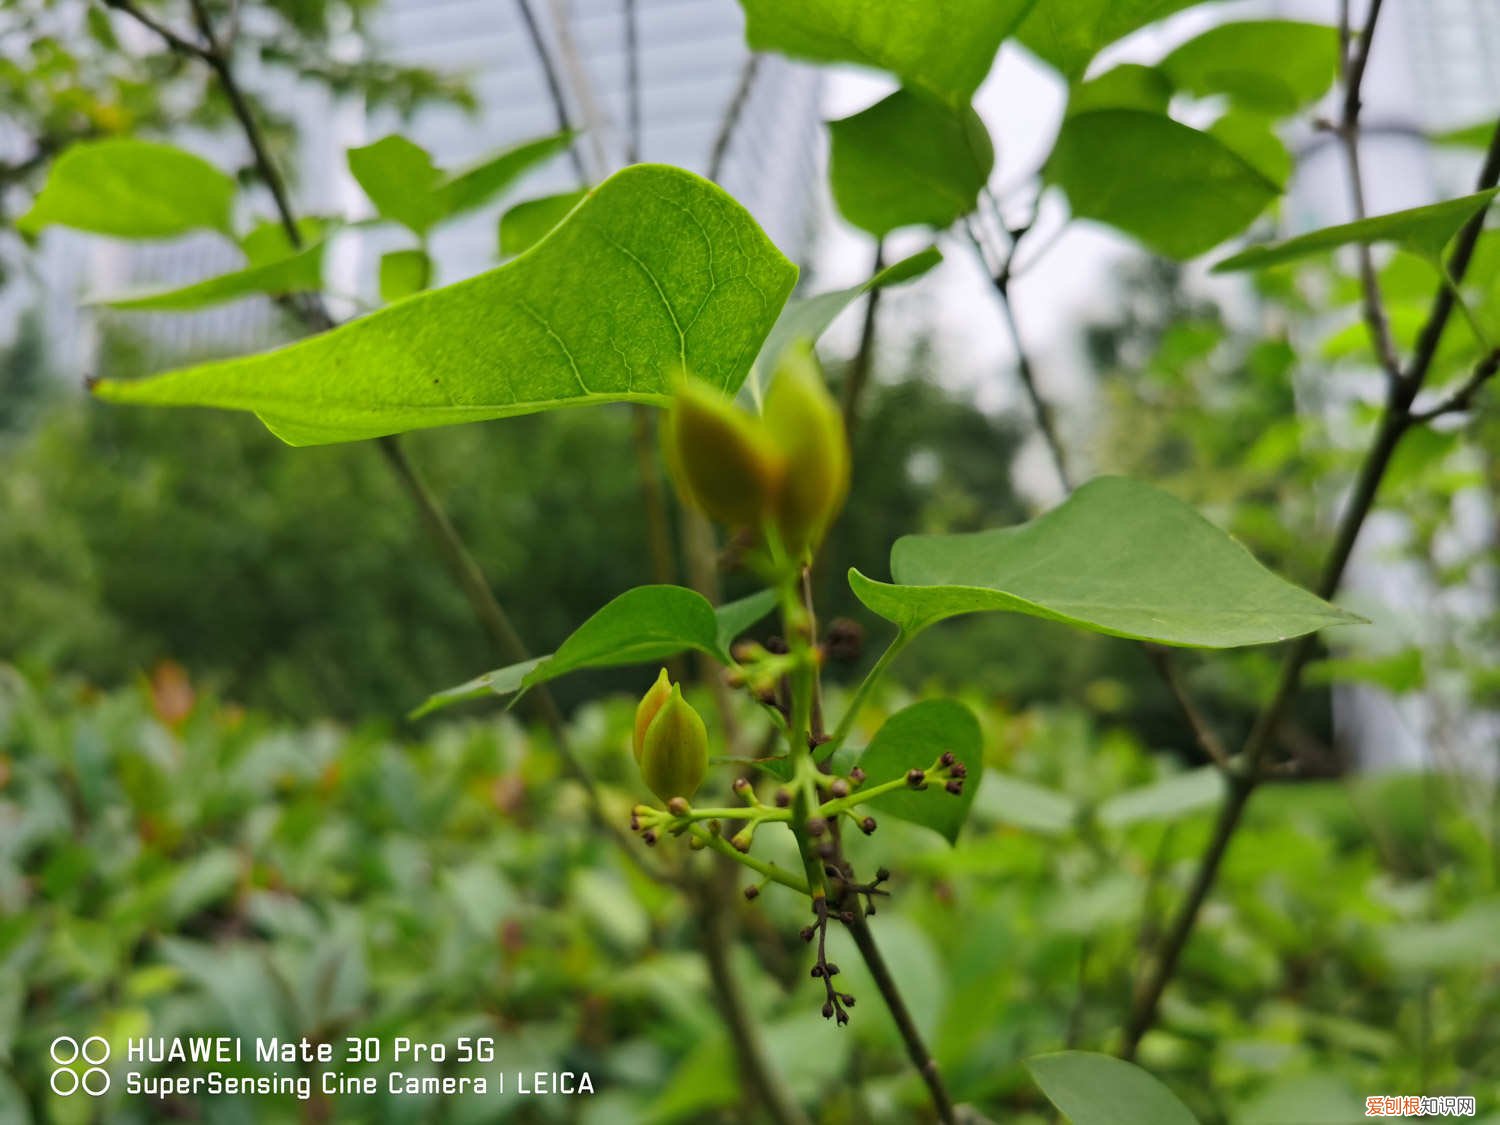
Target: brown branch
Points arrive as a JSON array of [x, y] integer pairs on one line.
[[733, 113], [864, 358], [1203, 734], [560, 112], [1462, 397]]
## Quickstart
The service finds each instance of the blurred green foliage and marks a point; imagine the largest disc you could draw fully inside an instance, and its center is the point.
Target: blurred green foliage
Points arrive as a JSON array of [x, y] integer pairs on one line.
[[170, 865]]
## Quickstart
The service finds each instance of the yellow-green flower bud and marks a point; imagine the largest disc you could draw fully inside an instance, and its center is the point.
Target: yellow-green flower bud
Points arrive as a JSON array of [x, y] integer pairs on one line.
[[674, 754], [808, 429], [646, 710], [722, 458]]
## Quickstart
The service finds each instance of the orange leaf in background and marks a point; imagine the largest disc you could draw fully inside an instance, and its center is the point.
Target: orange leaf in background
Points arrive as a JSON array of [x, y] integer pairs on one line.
[[172, 695]]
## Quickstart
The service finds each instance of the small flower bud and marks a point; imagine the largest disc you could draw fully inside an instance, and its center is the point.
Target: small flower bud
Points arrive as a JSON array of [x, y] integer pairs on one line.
[[752, 892], [844, 640], [958, 770], [677, 806], [722, 458], [882, 874], [695, 844], [741, 785], [674, 751], [740, 842], [647, 708], [947, 759], [806, 933], [828, 1009], [867, 826], [650, 837], [955, 786], [857, 776], [808, 429], [839, 788], [917, 779], [783, 798], [816, 826]]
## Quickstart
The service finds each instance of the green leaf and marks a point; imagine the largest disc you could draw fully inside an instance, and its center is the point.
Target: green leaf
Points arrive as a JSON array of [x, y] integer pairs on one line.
[[132, 189], [1253, 137], [301, 272], [643, 625], [1466, 941], [526, 224], [1271, 66], [1477, 135], [914, 738], [406, 187], [1399, 673], [908, 161], [1180, 795], [1178, 190], [1127, 86], [1024, 804], [404, 272], [1118, 557], [1092, 1089], [401, 181], [807, 318], [1422, 230], [464, 191], [942, 47], [658, 270], [1067, 34]]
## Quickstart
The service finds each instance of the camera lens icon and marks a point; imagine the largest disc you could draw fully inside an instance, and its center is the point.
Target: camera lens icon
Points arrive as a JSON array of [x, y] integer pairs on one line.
[[67, 1081]]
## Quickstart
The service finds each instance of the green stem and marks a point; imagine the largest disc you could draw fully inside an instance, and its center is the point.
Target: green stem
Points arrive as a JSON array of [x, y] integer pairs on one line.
[[769, 870], [862, 693]]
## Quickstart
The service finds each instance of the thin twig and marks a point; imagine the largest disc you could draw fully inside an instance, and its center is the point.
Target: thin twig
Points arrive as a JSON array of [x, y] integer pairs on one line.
[[1352, 66], [864, 358], [633, 121], [1208, 741], [560, 111], [1462, 397], [176, 41], [730, 122]]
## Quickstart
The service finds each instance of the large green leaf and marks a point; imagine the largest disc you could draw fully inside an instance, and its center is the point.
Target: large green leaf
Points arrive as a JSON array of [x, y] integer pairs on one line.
[[1091, 1089], [299, 272], [943, 47], [527, 223], [658, 270], [914, 738], [1068, 33], [642, 625], [1118, 557], [1422, 230], [908, 161], [407, 187], [1178, 190], [1271, 66], [132, 189]]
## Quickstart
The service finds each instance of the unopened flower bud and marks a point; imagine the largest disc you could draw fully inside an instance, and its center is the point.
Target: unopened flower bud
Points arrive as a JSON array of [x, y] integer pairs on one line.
[[809, 431], [752, 892], [917, 779], [647, 708], [722, 458], [674, 750], [839, 788], [677, 806]]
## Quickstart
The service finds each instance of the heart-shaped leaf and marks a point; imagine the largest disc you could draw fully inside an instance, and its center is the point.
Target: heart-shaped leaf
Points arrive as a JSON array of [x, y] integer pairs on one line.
[[914, 738], [132, 189], [642, 625], [908, 161], [942, 47], [1117, 557], [1422, 230], [657, 271], [1091, 1089], [1180, 191]]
